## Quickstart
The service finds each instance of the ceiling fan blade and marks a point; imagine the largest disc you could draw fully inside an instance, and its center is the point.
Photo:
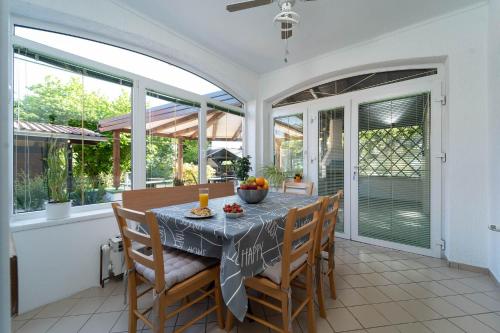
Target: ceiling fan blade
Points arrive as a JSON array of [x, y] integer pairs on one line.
[[286, 30], [247, 4]]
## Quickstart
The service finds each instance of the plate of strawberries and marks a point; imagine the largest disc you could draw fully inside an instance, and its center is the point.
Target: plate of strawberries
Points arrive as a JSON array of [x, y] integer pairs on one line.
[[233, 210]]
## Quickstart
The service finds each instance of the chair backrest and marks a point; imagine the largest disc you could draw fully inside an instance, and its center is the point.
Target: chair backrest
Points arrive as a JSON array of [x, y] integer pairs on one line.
[[151, 240], [300, 228], [328, 220], [142, 200], [305, 188]]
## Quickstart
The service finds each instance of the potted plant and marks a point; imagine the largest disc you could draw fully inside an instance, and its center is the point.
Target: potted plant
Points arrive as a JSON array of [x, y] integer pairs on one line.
[[178, 182], [58, 205], [275, 175], [242, 167], [298, 176]]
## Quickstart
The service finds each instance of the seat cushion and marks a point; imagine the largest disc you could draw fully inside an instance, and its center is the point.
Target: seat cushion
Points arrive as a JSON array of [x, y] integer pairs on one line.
[[273, 273], [178, 265]]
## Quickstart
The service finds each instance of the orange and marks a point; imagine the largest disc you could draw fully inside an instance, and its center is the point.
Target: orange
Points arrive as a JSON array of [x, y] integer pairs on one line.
[[260, 181]]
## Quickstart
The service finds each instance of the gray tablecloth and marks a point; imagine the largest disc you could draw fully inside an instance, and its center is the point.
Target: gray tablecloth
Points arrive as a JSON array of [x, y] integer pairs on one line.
[[245, 246]]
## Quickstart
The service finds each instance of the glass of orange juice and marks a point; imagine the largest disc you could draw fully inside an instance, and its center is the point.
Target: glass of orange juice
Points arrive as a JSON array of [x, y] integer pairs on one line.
[[203, 197]]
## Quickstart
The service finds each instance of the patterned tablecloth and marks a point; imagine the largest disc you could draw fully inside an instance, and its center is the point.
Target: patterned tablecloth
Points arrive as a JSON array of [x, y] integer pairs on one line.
[[245, 246]]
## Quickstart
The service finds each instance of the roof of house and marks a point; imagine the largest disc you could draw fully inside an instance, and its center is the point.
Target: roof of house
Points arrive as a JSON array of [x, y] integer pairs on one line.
[[34, 129]]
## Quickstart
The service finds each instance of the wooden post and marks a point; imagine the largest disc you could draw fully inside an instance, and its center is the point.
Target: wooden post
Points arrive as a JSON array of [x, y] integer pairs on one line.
[[116, 159], [180, 158]]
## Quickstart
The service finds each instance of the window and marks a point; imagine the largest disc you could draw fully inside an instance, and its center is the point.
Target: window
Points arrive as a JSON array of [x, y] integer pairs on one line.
[[60, 104], [225, 144], [288, 144], [84, 109]]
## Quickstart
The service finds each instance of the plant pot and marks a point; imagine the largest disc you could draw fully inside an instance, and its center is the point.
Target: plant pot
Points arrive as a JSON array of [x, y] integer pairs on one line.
[[57, 211]]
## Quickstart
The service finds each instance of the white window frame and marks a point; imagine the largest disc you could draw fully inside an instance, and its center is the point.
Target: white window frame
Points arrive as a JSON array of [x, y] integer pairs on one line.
[[138, 106]]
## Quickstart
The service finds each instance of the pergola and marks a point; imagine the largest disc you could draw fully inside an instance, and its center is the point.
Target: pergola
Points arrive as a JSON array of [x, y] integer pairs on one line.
[[179, 121], [289, 132]]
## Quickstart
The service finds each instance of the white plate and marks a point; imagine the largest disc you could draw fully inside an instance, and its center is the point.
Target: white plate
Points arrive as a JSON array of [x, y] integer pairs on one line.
[[190, 215], [235, 215]]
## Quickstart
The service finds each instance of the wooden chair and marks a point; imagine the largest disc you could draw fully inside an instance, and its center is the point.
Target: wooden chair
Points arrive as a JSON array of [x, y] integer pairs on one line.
[[174, 275], [275, 282], [324, 242], [142, 200], [304, 188]]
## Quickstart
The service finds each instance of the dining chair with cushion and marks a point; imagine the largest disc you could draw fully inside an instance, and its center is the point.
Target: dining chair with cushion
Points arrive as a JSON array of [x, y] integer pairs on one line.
[[304, 188], [297, 260], [176, 277], [324, 248]]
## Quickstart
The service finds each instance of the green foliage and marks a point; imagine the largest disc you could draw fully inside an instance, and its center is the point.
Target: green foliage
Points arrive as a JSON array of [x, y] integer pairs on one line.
[[178, 182], [89, 190], [242, 167], [274, 175], [190, 151], [57, 172], [30, 194]]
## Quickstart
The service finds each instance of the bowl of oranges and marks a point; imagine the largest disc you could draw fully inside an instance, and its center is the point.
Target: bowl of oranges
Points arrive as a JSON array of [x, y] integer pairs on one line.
[[253, 190]]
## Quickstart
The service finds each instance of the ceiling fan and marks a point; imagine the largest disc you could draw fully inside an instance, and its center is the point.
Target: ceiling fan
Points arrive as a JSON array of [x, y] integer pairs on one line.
[[286, 18]]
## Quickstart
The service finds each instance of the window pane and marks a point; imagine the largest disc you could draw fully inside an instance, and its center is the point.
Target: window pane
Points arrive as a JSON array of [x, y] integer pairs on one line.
[[225, 144], [288, 143], [57, 107], [172, 141]]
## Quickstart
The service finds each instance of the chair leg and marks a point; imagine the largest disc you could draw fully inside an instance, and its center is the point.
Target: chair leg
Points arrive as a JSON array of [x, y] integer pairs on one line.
[[285, 315], [229, 321], [132, 306], [311, 320], [218, 302], [319, 289], [331, 274]]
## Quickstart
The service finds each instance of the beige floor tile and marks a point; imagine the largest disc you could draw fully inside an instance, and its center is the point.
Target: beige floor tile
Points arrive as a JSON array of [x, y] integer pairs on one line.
[[322, 324], [277, 320], [28, 315], [416, 291], [251, 327], [432, 274], [419, 310], [471, 325], [395, 293], [340, 283], [465, 304], [100, 322], [37, 325], [413, 264], [349, 259], [376, 279], [97, 292], [350, 297], [481, 283], [457, 286], [414, 276], [121, 324], [493, 294], [360, 268], [437, 288], [112, 304], [413, 328], [214, 328], [394, 313], [17, 324], [378, 266], [395, 277], [342, 320], [343, 270], [442, 307], [368, 316], [432, 262], [490, 319], [383, 329], [442, 326], [396, 265], [86, 306], [57, 309], [485, 301], [382, 257], [372, 295], [456, 273], [71, 324], [193, 311], [356, 281]]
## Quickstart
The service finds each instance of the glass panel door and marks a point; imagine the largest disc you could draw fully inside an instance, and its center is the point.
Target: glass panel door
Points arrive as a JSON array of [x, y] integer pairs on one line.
[[392, 188], [289, 144]]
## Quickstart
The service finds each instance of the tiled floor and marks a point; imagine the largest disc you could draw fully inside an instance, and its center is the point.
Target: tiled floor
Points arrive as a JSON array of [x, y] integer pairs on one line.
[[379, 291]]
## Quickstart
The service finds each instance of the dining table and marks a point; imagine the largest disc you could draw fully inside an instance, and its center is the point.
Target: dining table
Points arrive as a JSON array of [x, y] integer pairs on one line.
[[245, 246]]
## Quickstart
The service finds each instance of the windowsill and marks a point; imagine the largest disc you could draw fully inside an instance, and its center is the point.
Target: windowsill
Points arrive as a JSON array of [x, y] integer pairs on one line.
[[40, 221]]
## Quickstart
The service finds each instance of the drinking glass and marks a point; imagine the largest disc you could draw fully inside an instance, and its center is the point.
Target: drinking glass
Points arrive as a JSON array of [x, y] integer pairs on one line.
[[203, 197]]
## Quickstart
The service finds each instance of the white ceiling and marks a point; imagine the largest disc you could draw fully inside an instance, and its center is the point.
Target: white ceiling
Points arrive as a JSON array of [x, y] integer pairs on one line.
[[250, 39]]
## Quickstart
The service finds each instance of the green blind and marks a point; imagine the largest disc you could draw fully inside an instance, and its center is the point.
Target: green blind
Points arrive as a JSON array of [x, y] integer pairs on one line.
[[394, 170]]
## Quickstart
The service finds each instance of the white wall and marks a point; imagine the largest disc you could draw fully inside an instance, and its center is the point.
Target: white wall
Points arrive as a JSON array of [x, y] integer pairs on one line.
[[460, 39], [494, 137], [58, 261]]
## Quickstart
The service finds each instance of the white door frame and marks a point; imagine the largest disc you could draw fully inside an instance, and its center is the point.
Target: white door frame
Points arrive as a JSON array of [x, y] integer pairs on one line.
[[323, 104], [430, 84]]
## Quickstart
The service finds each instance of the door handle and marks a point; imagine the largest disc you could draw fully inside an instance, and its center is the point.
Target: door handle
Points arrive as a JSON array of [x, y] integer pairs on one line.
[[355, 172]]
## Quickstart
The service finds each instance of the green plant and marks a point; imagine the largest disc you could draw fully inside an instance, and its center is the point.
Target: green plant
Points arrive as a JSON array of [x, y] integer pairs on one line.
[[178, 182], [274, 175], [242, 167], [30, 194], [57, 172]]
